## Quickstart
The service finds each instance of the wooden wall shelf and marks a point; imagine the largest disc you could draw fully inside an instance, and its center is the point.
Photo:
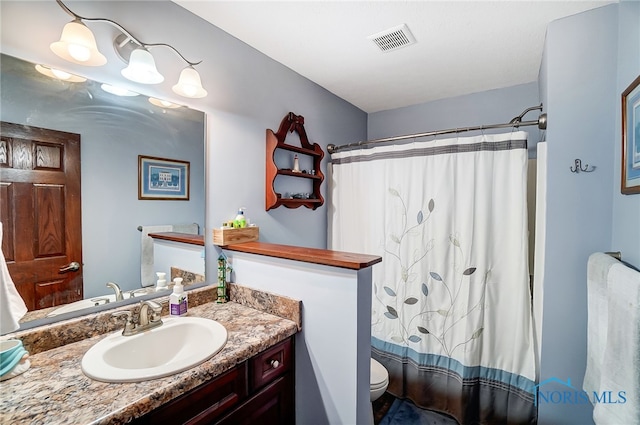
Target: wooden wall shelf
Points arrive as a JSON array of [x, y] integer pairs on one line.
[[290, 123]]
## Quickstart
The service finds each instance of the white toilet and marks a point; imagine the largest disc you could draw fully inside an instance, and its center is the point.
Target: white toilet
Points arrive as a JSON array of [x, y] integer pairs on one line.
[[379, 382]]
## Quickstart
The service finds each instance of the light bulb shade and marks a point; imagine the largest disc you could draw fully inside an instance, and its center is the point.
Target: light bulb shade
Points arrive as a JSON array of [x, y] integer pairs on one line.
[[163, 103], [189, 84], [142, 68], [59, 74], [78, 45], [118, 91]]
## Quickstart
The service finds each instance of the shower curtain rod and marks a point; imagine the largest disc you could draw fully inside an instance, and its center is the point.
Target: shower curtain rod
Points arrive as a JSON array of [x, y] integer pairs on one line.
[[516, 122]]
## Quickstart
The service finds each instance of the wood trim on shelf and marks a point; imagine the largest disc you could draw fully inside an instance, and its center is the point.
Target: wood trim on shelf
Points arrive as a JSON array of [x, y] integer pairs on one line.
[[311, 151], [276, 140], [294, 174], [325, 257], [295, 203], [187, 238]]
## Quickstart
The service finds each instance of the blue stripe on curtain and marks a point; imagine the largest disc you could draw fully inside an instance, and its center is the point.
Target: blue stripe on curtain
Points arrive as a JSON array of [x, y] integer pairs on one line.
[[448, 364]]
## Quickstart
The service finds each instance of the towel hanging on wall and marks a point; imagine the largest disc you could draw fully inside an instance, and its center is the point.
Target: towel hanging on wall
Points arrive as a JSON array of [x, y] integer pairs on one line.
[[598, 267], [12, 306], [620, 373], [147, 272]]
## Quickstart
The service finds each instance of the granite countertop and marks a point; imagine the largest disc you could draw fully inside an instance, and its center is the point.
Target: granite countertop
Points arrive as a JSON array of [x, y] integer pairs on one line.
[[55, 391]]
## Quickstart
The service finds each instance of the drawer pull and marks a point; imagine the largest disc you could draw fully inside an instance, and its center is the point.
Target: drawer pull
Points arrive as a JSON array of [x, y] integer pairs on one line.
[[275, 363]]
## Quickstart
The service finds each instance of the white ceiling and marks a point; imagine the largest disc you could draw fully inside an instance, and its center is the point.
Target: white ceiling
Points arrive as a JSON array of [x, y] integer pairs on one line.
[[462, 46]]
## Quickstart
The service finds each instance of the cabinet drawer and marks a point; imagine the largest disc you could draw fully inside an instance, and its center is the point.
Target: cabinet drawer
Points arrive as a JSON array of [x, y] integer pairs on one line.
[[271, 363], [204, 403], [272, 405]]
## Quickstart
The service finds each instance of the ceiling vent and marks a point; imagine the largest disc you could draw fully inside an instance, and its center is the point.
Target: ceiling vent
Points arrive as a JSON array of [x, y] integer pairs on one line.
[[393, 38]]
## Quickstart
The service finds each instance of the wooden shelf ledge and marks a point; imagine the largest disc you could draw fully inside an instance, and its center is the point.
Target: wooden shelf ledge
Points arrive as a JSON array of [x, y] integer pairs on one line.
[[187, 238], [325, 257]]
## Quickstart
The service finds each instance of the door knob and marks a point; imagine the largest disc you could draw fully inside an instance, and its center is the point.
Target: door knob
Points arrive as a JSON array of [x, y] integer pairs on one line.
[[71, 267]]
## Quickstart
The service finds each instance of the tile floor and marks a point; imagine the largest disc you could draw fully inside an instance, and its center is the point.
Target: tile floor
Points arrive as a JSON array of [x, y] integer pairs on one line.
[[385, 412]]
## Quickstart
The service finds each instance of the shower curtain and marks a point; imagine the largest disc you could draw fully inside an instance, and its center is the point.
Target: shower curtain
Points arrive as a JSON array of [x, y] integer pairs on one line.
[[451, 305]]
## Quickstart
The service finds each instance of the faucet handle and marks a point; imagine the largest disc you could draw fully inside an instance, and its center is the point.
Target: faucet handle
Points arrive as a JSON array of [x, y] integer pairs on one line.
[[129, 325], [123, 313], [100, 300], [156, 307]]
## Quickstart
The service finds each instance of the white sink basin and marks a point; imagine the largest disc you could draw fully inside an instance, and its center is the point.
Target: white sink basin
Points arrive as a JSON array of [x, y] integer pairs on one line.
[[179, 344], [79, 305], [95, 301]]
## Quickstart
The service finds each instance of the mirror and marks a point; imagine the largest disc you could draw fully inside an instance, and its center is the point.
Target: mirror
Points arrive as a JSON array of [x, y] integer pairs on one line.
[[114, 131]]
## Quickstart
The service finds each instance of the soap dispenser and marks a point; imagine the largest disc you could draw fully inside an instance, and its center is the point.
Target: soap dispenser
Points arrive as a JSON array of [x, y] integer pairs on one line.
[[161, 283], [240, 220], [178, 299]]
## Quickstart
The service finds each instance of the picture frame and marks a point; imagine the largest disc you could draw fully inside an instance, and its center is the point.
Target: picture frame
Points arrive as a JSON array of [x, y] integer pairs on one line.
[[630, 175], [163, 179]]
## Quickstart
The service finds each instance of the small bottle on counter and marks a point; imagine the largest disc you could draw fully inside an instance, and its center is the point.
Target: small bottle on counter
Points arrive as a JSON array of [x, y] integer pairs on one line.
[[240, 220], [161, 283], [178, 299]]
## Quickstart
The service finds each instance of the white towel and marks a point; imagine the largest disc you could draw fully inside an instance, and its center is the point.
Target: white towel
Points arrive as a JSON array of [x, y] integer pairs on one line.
[[598, 267], [620, 372], [147, 273], [12, 306]]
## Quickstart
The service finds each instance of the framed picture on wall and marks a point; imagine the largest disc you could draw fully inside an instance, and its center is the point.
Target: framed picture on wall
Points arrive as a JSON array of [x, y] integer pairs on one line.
[[631, 139], [163, 179]]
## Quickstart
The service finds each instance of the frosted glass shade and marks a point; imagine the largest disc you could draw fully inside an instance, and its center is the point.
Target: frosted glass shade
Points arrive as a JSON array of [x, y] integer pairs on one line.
[[78, 45], [163, 103], [189, 84], [59, 74], [142, 68], [118, 91]]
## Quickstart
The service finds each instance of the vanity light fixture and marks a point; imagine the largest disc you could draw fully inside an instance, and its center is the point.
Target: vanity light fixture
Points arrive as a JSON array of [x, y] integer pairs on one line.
[[189, 84], [59, 74], [142, 68], [78, 45], [118, 91], [163, 103]]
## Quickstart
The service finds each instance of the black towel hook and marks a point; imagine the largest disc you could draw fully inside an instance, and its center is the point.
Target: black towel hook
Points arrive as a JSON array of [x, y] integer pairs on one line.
[[578, 167]]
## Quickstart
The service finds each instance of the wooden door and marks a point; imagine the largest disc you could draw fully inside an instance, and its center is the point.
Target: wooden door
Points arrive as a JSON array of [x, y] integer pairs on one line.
[[41, 213]]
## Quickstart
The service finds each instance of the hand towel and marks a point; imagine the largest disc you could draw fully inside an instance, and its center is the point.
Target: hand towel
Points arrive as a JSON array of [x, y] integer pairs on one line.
[[147, 273], [12, 306], [620, 374], [598, 267]]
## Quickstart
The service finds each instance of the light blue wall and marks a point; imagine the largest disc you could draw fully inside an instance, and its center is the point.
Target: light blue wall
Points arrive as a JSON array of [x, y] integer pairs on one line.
[[626, 208], [490, 107], [113, 131], [248, 93], [578, 86], [589, 59]]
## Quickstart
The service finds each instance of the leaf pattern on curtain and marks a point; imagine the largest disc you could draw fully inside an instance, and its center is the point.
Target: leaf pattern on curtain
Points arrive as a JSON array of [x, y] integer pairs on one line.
[[433, 320]]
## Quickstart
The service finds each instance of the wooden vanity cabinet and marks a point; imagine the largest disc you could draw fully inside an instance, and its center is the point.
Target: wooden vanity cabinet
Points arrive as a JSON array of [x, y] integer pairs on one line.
[[257, 391]]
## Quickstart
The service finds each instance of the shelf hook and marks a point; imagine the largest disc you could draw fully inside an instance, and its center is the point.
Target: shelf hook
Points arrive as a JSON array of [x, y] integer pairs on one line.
[[578, 167]]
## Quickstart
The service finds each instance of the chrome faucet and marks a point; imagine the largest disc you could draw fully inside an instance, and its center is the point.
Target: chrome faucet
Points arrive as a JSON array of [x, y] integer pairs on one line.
[[116, 288], [145, 319], [149, 319]]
